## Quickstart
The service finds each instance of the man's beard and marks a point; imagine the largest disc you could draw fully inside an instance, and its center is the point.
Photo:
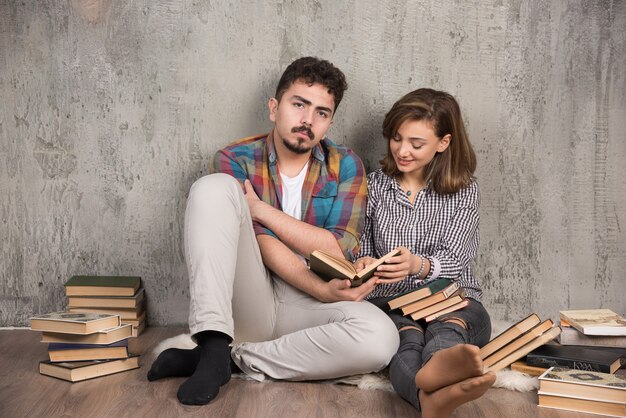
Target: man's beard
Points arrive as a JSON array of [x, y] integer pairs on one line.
[[300, 146]]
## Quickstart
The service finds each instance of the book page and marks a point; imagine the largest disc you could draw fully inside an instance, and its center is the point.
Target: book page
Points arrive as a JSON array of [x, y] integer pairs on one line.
[[332, 260]]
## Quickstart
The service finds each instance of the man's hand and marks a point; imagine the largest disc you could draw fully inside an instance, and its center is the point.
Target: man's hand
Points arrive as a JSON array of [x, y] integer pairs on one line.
[[338, 290], [255, 205]]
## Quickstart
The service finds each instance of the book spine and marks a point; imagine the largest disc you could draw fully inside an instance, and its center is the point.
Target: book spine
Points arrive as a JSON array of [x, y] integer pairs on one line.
[[547, 362]]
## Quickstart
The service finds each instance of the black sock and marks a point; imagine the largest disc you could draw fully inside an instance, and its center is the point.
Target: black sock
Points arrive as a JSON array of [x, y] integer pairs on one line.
[[174, 362], [212, 371], [234, 368]]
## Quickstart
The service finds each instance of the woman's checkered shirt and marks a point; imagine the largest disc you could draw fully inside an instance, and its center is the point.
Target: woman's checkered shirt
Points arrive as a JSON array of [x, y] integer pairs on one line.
[[442, 228]]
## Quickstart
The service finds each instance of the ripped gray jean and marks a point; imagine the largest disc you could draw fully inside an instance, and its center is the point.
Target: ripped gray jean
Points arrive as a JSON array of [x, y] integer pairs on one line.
[[416, 348]]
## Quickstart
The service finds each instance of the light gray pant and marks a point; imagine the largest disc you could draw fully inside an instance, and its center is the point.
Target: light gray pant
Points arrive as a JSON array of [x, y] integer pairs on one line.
[[278, 330]]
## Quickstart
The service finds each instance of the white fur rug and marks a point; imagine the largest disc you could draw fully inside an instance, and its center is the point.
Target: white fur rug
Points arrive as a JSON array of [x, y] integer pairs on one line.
[[506, 379]]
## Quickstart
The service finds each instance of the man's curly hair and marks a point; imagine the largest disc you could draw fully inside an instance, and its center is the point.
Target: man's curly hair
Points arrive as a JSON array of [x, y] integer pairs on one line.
[[313, 70]]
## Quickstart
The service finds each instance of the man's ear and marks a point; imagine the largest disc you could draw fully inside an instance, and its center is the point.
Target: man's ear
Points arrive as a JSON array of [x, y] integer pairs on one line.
[[273, 107], [444, 143]]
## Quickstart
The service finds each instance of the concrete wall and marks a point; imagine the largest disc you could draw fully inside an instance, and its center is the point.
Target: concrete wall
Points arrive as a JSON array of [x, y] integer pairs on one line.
[[111, 109]]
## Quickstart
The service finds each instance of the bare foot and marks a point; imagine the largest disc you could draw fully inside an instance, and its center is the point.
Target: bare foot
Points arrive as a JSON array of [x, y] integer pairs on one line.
[[449, 366], [443, 402]]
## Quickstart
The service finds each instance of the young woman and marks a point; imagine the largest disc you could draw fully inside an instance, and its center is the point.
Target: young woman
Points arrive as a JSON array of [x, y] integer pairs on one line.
[[424, 200]]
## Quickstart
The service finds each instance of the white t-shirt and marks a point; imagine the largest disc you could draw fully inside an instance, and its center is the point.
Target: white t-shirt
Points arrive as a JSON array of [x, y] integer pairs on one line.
[[292, 196], [292, 193]]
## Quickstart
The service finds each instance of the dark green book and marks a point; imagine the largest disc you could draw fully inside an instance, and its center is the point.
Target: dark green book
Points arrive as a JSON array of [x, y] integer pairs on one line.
[[419, 293], [102, 285]]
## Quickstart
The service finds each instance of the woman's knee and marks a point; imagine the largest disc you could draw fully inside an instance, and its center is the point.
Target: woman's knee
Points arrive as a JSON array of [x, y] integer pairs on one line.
[[444, 333]]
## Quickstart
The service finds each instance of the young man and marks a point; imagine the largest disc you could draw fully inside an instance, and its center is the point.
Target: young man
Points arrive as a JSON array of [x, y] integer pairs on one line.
[[272, 201]]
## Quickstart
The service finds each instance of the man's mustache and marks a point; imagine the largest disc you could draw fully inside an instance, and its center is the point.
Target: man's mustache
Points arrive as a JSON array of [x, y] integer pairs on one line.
[[306, 129]]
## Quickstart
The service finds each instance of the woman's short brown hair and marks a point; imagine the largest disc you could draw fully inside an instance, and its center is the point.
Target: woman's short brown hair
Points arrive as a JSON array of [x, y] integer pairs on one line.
[[450, 170]]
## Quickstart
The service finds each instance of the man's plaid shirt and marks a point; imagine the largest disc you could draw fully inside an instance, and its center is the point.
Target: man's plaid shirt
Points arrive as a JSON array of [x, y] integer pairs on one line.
[[334, 194]]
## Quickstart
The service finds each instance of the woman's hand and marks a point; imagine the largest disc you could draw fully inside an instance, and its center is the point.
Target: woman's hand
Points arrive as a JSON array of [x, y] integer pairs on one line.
[[363, 262], [396, 268]]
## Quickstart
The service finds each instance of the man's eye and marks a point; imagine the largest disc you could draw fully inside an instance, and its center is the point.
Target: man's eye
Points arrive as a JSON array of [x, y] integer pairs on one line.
[[323, 114], [298, 105]]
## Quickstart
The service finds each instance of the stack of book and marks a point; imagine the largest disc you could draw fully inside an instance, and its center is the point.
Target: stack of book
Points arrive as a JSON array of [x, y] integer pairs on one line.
[[599, 329], [115, 295], [599, 351], [430, 301], [583, 391], [84, 345], [517, 341], [591, 340]]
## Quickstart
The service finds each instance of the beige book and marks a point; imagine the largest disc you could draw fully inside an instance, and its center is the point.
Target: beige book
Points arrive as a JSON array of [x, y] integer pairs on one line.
[[437, 297], [595, 321], [549, 335], [460, 305], [88, 354], [509, 335], [597, 386], [105, 336], [518, 343], [135, 322], [444, 304], [73, 322], [107, 302], [137, 330], [328, 267], [522, 367], [565, 403], [129, 313], [82, 370]]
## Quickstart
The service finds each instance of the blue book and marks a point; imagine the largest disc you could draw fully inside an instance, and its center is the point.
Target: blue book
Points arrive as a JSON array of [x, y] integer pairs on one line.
[[75, 346]]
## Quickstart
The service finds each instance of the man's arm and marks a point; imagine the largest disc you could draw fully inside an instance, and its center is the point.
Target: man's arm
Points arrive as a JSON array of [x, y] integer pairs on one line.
[[339, 235], [286, 265], [301, 237]]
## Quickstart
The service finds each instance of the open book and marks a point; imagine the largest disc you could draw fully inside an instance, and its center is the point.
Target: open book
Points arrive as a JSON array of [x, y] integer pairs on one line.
[[330, 267]]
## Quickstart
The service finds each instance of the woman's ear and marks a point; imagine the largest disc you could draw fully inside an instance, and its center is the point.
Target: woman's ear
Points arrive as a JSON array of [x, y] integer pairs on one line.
[[444, 143]]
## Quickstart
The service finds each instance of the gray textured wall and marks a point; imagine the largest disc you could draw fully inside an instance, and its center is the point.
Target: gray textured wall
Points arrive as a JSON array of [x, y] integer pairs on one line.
[[111, 109]]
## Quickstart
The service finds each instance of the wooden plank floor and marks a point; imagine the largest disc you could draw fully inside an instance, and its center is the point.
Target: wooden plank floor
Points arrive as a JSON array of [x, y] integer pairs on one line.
[[26, 393]]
